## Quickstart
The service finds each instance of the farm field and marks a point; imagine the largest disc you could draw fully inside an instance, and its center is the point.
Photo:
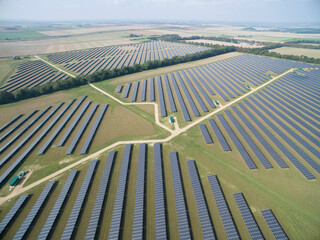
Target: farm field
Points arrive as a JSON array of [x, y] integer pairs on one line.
[[315, 53], [271, 129], [224, 43], [62, 44]]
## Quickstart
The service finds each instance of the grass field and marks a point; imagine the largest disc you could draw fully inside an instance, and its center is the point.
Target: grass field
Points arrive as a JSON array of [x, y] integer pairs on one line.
[[315, 53], [21, 35]]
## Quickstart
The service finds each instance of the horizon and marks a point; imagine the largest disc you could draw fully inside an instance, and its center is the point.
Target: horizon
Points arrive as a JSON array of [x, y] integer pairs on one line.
[[168, 11]]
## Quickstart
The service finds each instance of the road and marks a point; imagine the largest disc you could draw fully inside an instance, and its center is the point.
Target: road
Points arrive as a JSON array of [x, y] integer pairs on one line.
[[177, 131], [52, 65]]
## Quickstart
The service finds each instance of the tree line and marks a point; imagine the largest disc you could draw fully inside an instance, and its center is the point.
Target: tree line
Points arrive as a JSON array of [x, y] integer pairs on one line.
[[101, 75]]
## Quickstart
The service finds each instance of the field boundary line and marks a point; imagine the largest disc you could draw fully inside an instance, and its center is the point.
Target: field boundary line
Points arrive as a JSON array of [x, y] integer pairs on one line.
[[174, 133]]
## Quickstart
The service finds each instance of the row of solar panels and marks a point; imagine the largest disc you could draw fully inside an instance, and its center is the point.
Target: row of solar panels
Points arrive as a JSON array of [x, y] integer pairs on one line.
[[14, 151], [35, 74], [115, 50], [139, 213], [123, 59], [304, 152]]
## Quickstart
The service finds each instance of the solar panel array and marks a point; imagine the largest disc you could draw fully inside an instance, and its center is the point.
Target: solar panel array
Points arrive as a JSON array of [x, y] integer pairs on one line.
[[284, 136], [249, 141], [135, 92], [10, 122], [161, 97], [225, 146], [246, 157], [283, 149], [206, 224], [247, 216], [4, 136], [57, 206], [88, 61], [138, 219], [205, 133], [181, 207], [81, 130], [93, 130], [274, 225], [73, 124], [13, 139], [119, 201], [20, 234], [161, 224], [13, 212], [64, 122], [223, 208], [180, 99], [73, 218], [100, 198], [31, 74], [266, 145]]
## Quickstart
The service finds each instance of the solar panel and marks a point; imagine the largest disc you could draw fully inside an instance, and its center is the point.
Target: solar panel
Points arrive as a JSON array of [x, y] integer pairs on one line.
[[223, 208], [161, 98], [247, 216], [73, 124], [8, 143], [34, 211], [17, 125], [57, 207], [57, 131], [135, 91], [285, 151], [161, 231], [205, 134], [181, 208], [93, 130], [17, 147], [189, 98], [285, 127], [144, 90], [119, 201], [169, 94], [274, 225], [306, 157], [127, 90], [181, 101], [81, 130], [246, 157], [138, 219], [206, 224], [266, 145], [203, 92], [222, 140], [209, 80], [215, 79], [10, 122], [298, 108], [204, 83], [249, 141], [194, 92], [100, 198], [73, 218], [152, 96], [13, 212]]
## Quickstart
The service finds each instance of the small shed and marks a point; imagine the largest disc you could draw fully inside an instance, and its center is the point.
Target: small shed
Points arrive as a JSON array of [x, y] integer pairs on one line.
[[14, 181], [171, 119]]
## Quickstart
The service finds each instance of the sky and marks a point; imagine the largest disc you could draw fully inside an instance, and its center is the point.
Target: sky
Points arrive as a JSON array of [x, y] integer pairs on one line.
[[258, 11]]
